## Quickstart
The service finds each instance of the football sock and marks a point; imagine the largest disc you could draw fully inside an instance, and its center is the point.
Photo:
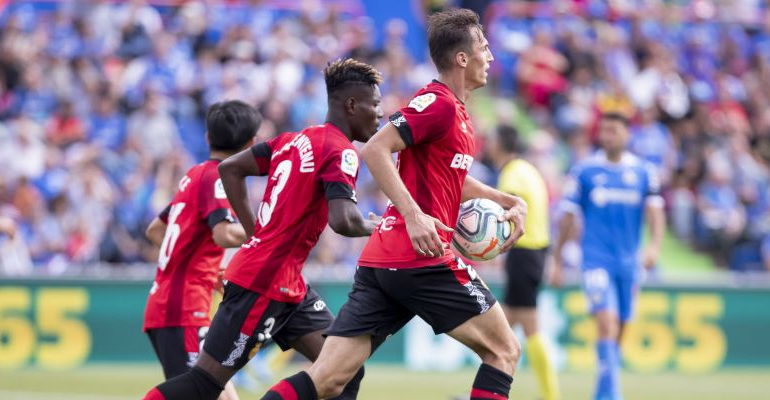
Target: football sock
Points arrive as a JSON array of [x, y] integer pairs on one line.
[[607, 384], [195, 384], [491, 384], [351, 389], [541, 365], [295, 387]]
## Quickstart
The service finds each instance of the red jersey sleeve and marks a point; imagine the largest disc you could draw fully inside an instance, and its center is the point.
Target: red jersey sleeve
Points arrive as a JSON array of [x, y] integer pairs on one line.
[[212, 199], [427, 118], [263, 152], [338, 172]]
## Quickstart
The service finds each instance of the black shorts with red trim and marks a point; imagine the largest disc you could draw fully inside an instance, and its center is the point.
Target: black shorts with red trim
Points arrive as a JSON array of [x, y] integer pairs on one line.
[[177, 347], [383, 300], [246, 320]]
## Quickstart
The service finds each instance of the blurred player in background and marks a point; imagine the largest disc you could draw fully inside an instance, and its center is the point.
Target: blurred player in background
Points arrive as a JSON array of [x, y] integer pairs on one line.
[[525, 263], [406, 268], [612, 190], [192, 232], [312, 181]]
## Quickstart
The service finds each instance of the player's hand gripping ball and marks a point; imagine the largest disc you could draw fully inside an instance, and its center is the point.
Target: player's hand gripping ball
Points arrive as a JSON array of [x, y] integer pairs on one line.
[[479, 235]]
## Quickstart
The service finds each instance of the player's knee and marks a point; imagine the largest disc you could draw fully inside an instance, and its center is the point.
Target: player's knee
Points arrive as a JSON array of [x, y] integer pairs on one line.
[[608, 327], [332, 386], [512, 352], [505, 356]]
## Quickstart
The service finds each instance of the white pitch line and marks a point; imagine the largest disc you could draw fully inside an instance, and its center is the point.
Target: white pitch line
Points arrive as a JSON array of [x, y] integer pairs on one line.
[[27, 395]]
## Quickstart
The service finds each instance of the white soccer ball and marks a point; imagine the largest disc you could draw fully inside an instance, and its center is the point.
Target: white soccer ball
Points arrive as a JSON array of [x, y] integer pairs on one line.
[[479, 235]]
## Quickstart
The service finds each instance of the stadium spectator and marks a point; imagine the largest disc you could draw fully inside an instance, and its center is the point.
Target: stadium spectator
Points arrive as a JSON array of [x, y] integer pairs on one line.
[[121, 83]]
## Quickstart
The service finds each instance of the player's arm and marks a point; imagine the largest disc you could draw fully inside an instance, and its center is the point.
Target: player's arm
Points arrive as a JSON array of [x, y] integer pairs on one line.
[[516, 207], [228, 234], [656, 221], [570, 206], [420, 226], [156, 231], [7, 227], [564, 230], [346, 220], [233, 172]]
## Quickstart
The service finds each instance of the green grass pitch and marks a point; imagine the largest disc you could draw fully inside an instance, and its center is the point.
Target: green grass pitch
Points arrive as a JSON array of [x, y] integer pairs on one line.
[[124, 382]]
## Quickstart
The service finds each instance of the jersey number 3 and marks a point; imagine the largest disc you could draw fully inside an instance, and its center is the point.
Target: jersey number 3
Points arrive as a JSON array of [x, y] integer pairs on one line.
[[172, 234], [281, 175]]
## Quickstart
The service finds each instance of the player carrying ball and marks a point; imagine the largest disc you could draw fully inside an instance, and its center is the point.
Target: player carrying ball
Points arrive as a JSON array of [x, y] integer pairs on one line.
[[406, 268], [312, 181]]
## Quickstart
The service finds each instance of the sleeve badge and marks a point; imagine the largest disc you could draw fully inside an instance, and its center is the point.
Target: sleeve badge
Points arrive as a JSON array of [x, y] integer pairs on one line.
[[422, 102]]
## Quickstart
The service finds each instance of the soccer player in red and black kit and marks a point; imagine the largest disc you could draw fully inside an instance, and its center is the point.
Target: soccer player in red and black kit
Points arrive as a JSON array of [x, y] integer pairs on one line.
[[312, 181], [406, 268], [192, 233]]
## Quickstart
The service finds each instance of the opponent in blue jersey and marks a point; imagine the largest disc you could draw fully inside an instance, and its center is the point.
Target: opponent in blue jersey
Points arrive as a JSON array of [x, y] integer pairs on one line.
[[612, 190]]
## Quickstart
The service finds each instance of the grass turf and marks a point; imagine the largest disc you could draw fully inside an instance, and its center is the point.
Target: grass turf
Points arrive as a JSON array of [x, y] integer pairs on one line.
[[123, 382]]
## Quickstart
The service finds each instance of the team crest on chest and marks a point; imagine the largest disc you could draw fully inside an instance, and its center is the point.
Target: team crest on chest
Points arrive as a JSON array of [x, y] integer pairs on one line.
[[422, 102], [349, 163], [629, 178]]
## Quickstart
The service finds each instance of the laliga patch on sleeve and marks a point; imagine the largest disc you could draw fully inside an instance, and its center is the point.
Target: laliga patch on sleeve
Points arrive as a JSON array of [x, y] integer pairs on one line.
[[422, 102], [219, 190], [349, 163]]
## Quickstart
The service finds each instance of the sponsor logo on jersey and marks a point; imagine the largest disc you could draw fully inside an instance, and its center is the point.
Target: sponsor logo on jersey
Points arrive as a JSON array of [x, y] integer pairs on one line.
[[461, 161], [422, 102], [602, 196], [219, 190], [349, 163], [464, 127], [629, 178], [319, 305], [398, 121], [199, 314]]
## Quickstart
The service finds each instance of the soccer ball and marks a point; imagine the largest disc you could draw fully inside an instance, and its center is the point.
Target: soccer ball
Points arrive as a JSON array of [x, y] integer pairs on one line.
[[479, 235]]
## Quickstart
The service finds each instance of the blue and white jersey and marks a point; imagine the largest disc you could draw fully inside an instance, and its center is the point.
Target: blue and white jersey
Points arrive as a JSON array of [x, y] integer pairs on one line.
[[611, 198]]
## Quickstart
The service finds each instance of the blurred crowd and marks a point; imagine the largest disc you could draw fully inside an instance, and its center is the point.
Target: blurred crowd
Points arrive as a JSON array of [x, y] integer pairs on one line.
[[102, 105]]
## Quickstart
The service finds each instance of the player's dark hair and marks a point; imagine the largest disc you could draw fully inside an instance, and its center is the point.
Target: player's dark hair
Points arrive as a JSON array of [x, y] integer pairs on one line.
[[509, 140], [449, 32], [615, 116], [231, 124], [341, 73]]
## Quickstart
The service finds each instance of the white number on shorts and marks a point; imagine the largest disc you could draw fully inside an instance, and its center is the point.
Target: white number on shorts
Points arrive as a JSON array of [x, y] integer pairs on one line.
[[281, 175], [596, 279], [172, 234]]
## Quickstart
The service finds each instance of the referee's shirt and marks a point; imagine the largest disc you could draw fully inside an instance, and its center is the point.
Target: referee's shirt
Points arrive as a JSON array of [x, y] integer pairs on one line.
[[522, 179]]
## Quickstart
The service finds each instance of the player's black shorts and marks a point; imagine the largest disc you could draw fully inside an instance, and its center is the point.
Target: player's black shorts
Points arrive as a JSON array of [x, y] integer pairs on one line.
[[245, 320], [524, 268], [177, 347], [384, 300]]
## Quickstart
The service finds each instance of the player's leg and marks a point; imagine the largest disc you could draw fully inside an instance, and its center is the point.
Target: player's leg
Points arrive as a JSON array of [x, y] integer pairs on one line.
[[303, 332], [452, 299], [524, 269], [362, 324], [243, 321], [169, 346], [602, 295]]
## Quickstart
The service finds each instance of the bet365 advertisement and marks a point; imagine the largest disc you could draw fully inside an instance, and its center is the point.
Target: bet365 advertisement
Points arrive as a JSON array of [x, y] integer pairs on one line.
[[60, 324]]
